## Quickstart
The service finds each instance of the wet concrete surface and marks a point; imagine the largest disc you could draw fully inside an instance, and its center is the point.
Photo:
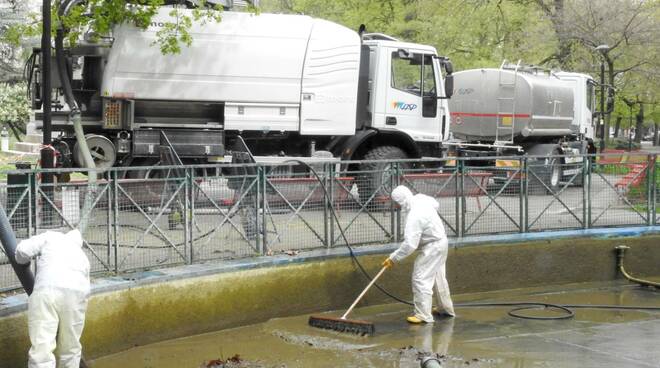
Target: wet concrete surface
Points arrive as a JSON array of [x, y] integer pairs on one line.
[[477, 337]]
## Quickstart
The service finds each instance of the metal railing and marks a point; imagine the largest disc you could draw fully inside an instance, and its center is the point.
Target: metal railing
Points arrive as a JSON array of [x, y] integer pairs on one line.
[[149, 217]]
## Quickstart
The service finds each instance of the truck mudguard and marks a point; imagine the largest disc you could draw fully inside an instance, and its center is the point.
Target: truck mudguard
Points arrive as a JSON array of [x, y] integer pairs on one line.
[[353, 143]]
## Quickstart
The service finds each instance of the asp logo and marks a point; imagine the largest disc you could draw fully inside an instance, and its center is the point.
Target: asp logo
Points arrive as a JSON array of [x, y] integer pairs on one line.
[[403, 106]]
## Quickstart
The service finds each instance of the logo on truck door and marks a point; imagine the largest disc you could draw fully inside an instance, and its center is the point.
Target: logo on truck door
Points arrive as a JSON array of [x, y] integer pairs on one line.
[[403, 106]]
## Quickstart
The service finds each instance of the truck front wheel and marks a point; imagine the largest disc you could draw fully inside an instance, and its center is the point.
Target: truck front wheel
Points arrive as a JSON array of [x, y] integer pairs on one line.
[[376, 176], [548, 172]]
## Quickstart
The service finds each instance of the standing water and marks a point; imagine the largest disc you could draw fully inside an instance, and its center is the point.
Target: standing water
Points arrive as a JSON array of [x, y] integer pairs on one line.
[[477, 337]]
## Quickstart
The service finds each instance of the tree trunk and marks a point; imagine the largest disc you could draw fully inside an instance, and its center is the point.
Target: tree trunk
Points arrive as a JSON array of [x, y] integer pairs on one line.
[[639, 127], [617, 126], [15, 131], [610, 80], [656, 141], [554, 11]]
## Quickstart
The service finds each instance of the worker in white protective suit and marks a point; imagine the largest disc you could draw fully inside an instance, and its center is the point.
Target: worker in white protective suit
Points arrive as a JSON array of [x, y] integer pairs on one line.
[[423, 229], [56, 307]]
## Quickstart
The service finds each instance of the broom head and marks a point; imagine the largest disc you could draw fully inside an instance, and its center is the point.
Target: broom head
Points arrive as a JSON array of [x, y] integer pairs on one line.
[[342, 325]]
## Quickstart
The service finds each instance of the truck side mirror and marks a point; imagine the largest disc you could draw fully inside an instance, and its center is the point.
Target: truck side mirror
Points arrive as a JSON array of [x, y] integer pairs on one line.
[[449, 67], [403, 54], [449, 78], [449, 86]]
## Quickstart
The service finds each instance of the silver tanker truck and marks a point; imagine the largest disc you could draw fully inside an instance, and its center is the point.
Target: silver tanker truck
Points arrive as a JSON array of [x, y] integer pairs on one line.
[[517, 110]]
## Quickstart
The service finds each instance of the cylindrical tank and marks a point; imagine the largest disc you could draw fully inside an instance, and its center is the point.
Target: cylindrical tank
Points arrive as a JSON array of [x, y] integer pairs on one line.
[[508, 105]]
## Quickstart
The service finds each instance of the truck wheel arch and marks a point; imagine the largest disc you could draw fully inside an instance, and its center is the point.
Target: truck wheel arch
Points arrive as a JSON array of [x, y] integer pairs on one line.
[[356, 146]]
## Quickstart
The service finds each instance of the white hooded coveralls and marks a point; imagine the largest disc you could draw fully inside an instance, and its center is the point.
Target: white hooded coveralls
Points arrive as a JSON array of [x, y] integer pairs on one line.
[[424, 229], [56, 307]]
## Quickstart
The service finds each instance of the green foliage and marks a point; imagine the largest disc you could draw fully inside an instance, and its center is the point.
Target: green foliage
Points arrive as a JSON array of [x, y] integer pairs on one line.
[[172, 35], [15, 108], [473, 33], [96, 18], [108, 13]]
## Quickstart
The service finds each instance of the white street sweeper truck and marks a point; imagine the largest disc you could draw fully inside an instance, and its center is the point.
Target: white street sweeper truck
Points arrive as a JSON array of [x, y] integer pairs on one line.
[[288, 85]]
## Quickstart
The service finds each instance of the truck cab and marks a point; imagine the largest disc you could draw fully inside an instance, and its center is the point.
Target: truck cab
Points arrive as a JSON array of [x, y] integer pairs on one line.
[[407, 89], [584, 95]]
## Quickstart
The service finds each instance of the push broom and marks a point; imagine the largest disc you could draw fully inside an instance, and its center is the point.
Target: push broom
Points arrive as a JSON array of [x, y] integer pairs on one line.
[[347, 325]]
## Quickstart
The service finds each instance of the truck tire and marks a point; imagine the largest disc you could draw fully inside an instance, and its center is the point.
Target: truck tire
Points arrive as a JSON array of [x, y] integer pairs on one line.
[[556, 174], [550, 174], [145, 172], [373, 176], [579, 179]]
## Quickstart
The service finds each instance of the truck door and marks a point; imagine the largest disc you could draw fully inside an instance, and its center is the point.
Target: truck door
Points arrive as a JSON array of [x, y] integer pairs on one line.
[[412, 103]]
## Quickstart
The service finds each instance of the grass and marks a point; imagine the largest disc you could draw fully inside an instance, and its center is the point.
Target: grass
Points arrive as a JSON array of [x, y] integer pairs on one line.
[[640, 192], [612, 169], [8, 161]]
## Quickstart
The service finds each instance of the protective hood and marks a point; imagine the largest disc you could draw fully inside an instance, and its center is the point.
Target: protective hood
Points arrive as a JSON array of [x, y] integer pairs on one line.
[[403, 196]]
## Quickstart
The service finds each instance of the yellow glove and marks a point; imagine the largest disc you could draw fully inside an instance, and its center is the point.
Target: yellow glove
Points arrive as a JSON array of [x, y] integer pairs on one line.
[[388, 263]]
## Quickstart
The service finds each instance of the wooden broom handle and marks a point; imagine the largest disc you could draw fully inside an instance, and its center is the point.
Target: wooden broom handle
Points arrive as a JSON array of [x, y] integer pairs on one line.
[[373, 281]]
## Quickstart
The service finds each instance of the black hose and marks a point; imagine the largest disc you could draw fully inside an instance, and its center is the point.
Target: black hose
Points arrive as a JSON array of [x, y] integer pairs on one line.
[[568, 313], [28, 70], [63, 73], [343, 235], [8, 239]]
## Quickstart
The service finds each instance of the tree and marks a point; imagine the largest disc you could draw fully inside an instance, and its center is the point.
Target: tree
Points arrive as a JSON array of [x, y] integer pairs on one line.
[[15, 110], [628, 27], [553, 10], [12, 14], [96, 18]]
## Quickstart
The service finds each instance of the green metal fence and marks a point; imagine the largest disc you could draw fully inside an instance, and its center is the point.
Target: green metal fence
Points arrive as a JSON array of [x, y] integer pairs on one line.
[[148, 217]]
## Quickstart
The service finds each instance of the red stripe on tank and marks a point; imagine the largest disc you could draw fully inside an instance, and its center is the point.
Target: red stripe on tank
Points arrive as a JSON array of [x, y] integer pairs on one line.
[[488, 115]]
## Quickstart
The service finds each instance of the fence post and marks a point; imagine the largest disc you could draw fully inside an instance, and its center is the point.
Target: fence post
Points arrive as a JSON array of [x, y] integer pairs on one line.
[[331, 192], [109, 217], [524, 206], [189, 213], [461, 171], [650, 180], [395, 220], [115, 218], [262, 216], [585, 204], [590, 166], [32, 202], [326, 205], [457, 200], [35, 202], [260, 237], [654, 185]]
